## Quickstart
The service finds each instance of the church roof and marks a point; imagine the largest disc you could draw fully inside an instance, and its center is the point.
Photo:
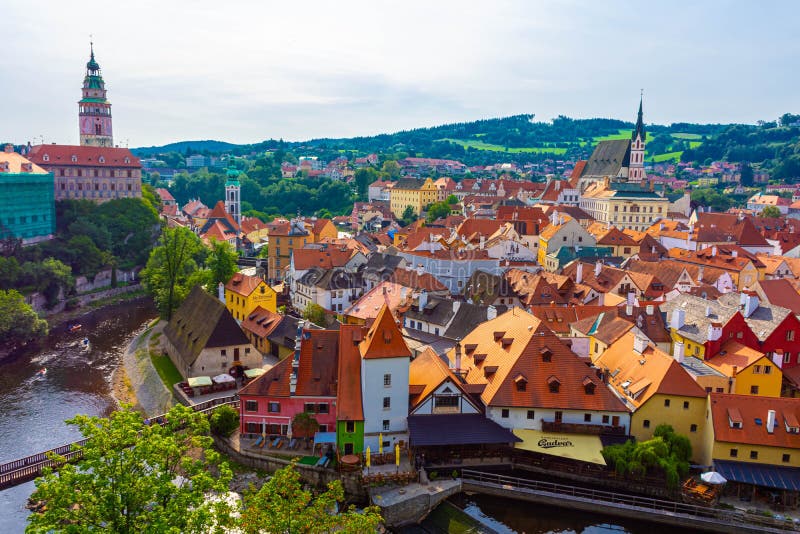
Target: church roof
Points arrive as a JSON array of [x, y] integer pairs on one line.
[[84, 156], [608, 158]]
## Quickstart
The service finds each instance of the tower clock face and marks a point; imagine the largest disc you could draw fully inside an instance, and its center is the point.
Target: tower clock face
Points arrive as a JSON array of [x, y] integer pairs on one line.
[[86, 125]]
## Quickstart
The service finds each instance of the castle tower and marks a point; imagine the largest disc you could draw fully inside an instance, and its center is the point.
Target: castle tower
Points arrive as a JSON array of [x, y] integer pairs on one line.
[[94, 111], [233, 198], [636, 166]]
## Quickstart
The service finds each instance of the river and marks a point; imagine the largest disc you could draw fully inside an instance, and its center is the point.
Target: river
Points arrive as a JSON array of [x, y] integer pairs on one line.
[[33, 408]]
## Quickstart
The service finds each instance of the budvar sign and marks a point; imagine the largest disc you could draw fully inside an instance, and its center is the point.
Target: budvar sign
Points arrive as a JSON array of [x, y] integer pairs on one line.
[[550, 443]]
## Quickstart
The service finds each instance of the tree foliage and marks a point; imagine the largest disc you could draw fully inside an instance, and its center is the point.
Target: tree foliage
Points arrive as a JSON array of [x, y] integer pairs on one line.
[[221, 264], [19, 324], [283, 506], [224, 420], [315, 313], [304, 425], [172, 269], [408, 216], [770, 211], [437, 210], [667, 453], [136, 478]]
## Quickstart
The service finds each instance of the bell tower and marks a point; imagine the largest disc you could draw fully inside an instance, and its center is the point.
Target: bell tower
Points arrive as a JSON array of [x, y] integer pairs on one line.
[[94, 111], [636, 165], [233, 200]]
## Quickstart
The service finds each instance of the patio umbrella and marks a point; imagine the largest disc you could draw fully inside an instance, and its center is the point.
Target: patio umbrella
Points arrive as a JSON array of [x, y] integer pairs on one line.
[[380, 443], [712, 477], [368, 461], [223, 378], [397, 455]]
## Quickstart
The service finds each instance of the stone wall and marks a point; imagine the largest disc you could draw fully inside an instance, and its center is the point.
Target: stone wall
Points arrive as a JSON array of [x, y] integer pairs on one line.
[[38, 301], [316, 476], [413, 509]]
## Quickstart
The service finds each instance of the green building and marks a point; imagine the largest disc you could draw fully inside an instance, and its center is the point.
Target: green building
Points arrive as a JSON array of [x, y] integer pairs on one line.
[[349, 408], [27, 206], [350, 437]]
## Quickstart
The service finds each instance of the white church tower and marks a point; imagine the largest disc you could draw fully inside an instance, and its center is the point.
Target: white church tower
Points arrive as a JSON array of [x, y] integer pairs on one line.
[[233, 196], [636, 164]]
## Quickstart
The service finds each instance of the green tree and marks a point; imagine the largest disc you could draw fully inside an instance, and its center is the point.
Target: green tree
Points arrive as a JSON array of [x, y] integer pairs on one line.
[[437, 210], [87, 259], [408, 216], [315, 313], [304, 425], [10, 272], [391, 168], [747, 175], [283, 506], [452, 199], [770, 211], [168, 276], [363, 178], [224, 420], [135, 477], [667, 453], [221, 263], [19, 324]]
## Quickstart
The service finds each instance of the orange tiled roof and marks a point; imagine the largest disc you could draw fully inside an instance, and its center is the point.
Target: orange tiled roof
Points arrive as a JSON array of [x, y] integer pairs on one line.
[[262, 322], [349, 405], [750, 408], [243, 284], [384, 338]]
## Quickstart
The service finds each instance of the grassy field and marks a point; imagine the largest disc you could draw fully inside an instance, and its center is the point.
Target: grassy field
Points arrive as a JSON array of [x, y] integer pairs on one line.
[[689, 136], [669, 156], [622, 134], [166, 370], [480, 145]]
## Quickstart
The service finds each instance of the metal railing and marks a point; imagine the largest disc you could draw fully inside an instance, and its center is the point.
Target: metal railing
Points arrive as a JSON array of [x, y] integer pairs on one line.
[[27, 468]]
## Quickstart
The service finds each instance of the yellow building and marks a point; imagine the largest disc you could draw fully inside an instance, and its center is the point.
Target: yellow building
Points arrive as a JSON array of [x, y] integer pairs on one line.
[[287, 236], [243, 294], [656, 388], [751, 372], [563, 231], [624, 205], [756, 437], [621, 244], [419, 194], [742, 270]]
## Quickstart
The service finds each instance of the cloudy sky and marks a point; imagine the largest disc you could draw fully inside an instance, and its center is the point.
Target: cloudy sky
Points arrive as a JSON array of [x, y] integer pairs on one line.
[[244, 71]]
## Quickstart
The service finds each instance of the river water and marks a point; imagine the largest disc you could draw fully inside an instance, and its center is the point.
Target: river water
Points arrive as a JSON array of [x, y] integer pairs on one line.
[[33, 408]]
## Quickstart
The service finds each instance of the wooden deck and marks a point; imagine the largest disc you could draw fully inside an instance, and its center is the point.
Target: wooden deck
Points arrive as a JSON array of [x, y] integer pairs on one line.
[[25, 469]]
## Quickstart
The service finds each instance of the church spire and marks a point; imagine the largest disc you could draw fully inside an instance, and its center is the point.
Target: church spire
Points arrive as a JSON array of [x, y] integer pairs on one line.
[[639, 120]]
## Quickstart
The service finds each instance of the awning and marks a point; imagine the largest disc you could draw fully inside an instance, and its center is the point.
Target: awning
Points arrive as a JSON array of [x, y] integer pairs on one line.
[[324, 437], [456, 429], [252, 373], [583, 447], [767, 476], [197, 381]]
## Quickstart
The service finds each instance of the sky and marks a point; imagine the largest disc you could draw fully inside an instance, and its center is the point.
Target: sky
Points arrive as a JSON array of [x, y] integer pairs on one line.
[[245, 71]]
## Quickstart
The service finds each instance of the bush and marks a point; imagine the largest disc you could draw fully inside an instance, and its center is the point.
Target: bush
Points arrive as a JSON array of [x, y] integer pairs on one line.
[[224, 420]]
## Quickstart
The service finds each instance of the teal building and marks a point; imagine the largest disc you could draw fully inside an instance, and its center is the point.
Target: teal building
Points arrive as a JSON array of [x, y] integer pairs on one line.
[[27, 206]]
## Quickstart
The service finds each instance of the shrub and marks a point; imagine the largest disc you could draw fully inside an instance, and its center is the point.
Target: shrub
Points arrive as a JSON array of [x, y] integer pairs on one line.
[[224, 420]]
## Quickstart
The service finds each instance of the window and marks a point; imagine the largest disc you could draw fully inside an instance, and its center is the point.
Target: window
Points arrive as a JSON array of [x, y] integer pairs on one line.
[[223, 352], [274, 407], [605, 419], [446, 401], [504, 413], [386, 424], [693, 428], [739, 335], [756, 369], [387, 380], [666, 403], [252, 428], [310, 406], [753, 390], [787, 358], [767, 369], [350, 427], [531, 414], [790, 335], [786, 458], [685, 405], [587, 418], [754, 455], [322, 408], [720, 390], [734, 453], [323, 428], [646, 423], [251, 406], [247, 350], [387, 403]]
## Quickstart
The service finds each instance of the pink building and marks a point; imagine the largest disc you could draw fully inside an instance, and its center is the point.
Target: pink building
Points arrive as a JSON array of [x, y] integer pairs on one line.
[[305, 381]]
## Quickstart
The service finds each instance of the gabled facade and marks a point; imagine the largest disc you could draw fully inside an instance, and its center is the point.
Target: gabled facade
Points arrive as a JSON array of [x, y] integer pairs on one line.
[[243, 293]]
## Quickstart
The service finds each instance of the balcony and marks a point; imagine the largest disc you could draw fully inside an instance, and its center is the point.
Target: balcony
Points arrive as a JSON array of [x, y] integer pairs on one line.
[[581, 428]]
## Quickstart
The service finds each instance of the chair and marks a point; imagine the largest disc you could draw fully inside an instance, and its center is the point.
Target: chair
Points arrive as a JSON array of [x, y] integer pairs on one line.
[[258, 441]]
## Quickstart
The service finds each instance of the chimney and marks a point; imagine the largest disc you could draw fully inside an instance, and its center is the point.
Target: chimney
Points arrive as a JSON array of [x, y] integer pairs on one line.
[[678, 351], [221, 292], [456, 306], [714, 331], [8, 148], [678, 318], [491, 313], [558, 185], [735, 253], [749, 302], [714, 250], [639, 344], [650, 309], [458, 356], [629, 309], [777, 358], [420, 269], [482, 244], [631, 299], [598, 266], [708, 311], [422, 301], [403, 293], [771, 421], [700, 275], [579, 273]]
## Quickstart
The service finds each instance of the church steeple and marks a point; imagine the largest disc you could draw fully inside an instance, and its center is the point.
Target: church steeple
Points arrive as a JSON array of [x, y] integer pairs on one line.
[[636, 172], [94, 110], [639, 130]]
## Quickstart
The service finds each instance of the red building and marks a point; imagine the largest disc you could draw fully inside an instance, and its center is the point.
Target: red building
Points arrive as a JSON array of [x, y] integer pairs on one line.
[[304, 382]]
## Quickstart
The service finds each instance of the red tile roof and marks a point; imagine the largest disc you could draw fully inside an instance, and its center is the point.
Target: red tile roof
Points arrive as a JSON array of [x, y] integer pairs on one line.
[[412, 279], [306, 258], [218, 212], [243, 284], [751, 408], [262, 322], [164, 195], [273, 383], [319, 363], [85, 156], [349, 406], [384, 339]]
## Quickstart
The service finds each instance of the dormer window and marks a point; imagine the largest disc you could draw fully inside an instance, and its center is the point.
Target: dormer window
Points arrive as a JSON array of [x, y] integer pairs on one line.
[[547, 354], [521, 382], [74, 158], [101, 159], [553, 383], [588, 386], [489, 370], [46, 157], [127, 159], [479, 358]]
